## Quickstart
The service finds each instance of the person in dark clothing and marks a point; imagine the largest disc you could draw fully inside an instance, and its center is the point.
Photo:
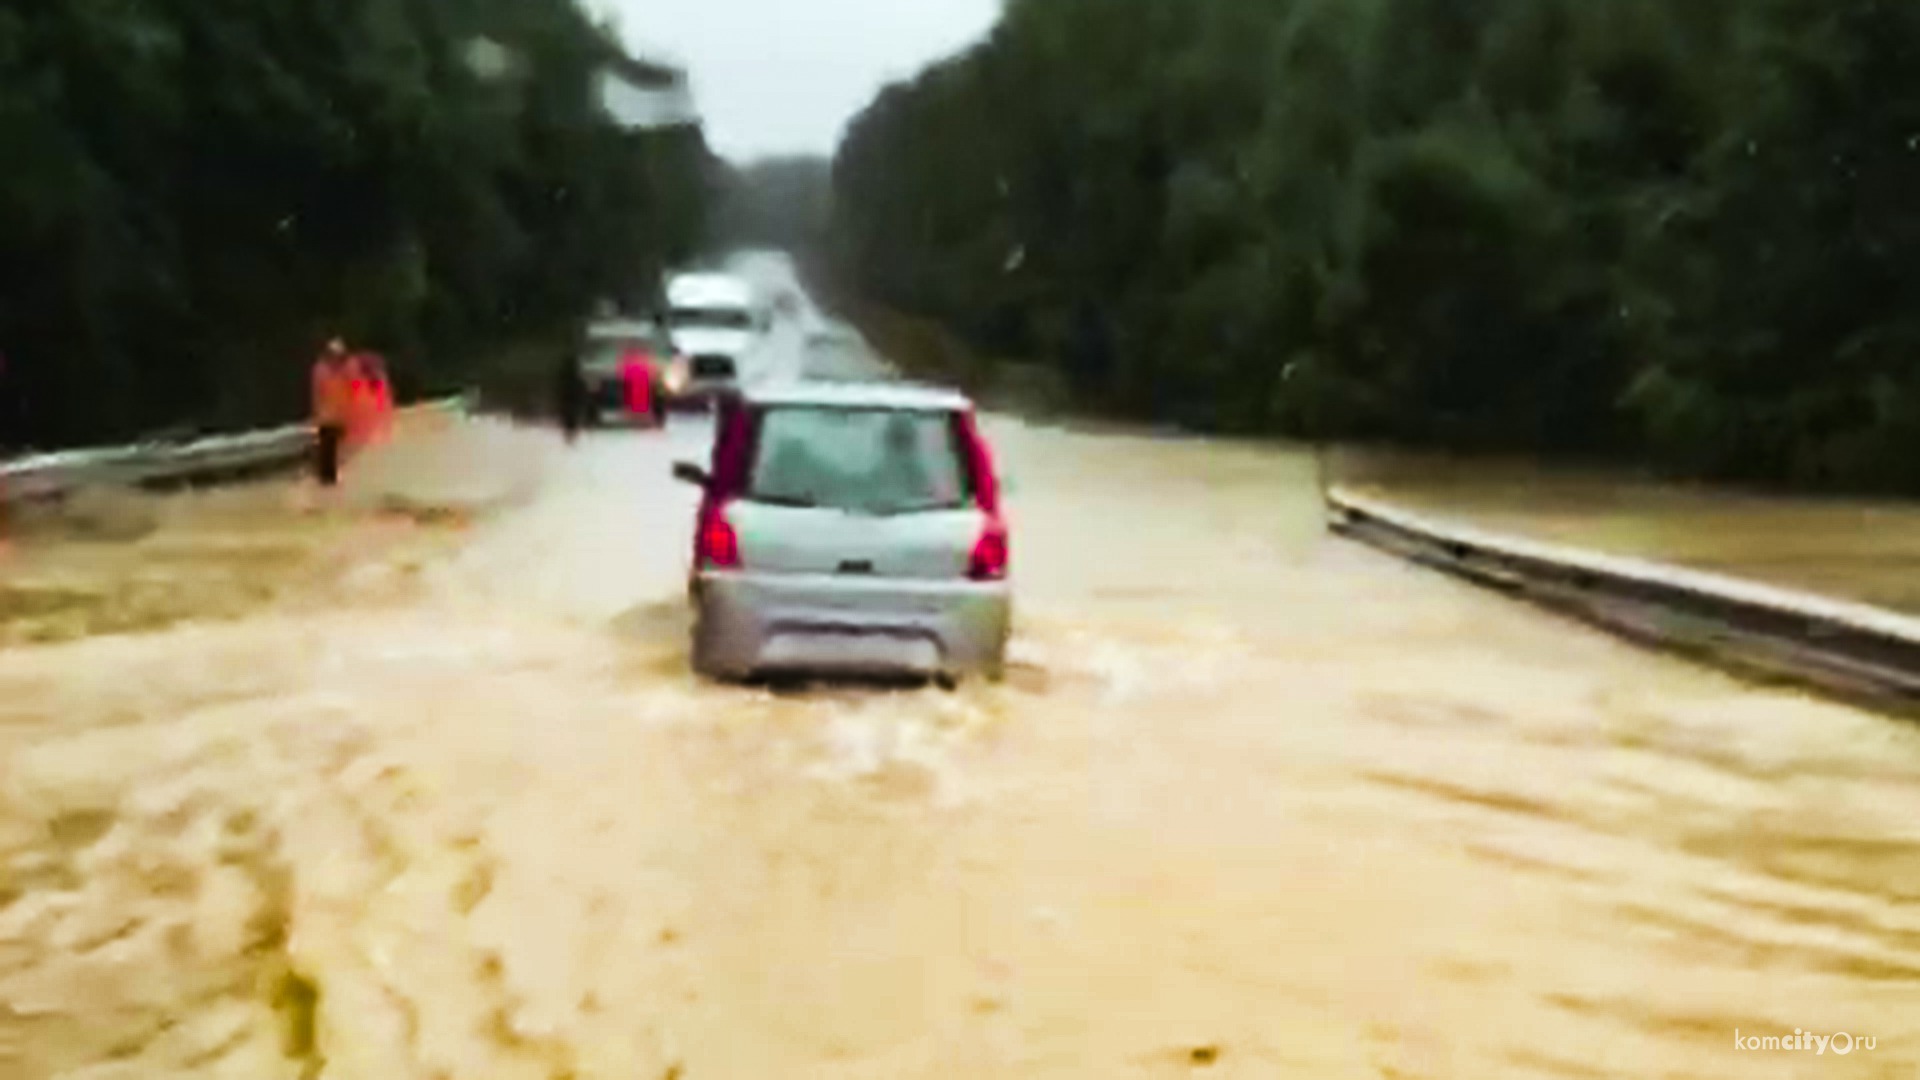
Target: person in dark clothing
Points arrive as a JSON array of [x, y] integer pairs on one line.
[[570, 396]]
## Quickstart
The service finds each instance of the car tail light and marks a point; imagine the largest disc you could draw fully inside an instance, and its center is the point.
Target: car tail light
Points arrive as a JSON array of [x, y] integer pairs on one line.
[[991, 551], [986, 484], [716, 543], [989, 562], [717, 547]]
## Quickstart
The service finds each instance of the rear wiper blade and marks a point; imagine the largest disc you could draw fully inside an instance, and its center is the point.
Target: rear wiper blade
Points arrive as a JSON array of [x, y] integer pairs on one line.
[[794, 501], [919, 508]]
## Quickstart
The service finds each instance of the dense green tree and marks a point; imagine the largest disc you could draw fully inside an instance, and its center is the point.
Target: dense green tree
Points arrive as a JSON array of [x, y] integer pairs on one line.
[[193, 193], [1684, 232]]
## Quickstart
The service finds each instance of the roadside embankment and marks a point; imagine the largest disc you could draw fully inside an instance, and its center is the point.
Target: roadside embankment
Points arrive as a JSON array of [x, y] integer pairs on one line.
[[110, 560], [1861, 550]]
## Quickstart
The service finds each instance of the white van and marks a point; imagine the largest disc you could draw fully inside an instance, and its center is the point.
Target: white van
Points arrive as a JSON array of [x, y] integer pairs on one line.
[[715, 320]]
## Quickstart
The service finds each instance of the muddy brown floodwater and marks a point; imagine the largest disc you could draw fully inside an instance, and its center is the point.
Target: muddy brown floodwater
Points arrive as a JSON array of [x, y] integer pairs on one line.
[[1852, 548], [1252, 803]]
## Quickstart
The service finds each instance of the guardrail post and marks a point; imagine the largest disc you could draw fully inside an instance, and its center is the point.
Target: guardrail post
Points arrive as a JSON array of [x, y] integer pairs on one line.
[[50, 476]]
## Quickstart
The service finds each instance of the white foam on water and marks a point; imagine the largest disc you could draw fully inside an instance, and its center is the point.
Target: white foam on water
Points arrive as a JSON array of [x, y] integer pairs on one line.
[[1128, 665], [922, 733]]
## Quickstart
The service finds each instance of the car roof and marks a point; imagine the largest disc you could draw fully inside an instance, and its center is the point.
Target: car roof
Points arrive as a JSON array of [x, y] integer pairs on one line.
[[699, 290], [903, 396]]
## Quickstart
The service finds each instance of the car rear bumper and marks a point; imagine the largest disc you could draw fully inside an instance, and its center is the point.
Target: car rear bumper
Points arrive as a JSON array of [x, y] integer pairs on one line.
[[748, 625]]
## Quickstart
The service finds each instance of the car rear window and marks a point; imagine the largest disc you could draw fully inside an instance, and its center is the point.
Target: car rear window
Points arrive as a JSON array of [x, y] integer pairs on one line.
[[874, 461], [713, 367], [604, 357]]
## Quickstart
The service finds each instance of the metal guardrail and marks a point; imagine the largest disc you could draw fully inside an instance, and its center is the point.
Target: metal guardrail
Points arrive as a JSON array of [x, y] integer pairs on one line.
[[50, 476], [1861, 653]]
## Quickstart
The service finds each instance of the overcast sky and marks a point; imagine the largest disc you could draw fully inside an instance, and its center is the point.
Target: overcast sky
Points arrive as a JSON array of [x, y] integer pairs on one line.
[[785, 76]]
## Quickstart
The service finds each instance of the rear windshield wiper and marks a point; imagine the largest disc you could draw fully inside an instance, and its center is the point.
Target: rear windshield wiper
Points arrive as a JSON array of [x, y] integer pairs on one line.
[[796, 501], [919, 508]]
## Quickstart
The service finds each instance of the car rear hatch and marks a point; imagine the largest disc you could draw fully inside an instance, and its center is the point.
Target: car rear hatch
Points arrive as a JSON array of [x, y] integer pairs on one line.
[[931, 546]]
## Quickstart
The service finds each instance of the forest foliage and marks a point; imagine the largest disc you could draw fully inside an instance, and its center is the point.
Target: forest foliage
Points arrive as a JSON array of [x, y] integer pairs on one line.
[[1686, 233], [194, 194]]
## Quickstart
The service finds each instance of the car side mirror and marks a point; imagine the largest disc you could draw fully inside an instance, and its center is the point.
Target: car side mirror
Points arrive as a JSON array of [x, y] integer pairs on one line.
[[688, 473]]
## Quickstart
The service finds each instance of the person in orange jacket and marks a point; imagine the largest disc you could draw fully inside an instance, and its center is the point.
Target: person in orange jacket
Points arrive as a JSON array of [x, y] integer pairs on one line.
[[372, 402], [333, 401], [359, 396], [377, 399]]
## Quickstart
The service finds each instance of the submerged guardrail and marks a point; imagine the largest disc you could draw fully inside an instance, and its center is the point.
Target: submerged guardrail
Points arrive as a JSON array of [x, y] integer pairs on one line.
[[51, 476], [1856, 651]]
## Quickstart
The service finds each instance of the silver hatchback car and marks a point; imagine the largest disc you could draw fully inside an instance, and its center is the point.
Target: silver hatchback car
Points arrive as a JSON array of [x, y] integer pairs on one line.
[[851, 529]]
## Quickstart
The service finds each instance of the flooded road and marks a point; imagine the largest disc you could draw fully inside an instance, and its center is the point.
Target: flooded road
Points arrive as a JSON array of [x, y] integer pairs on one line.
[[1251, 803]]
